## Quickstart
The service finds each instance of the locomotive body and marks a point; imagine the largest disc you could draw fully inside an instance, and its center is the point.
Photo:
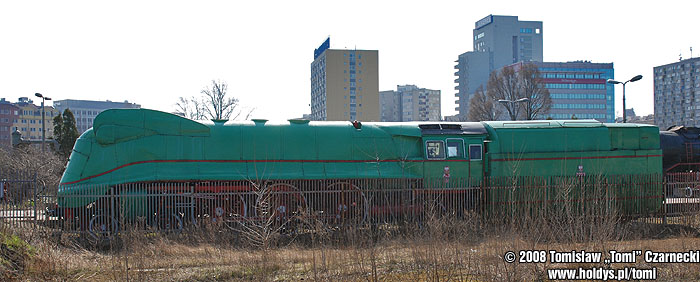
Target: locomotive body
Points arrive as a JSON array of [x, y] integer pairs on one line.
[[681, 147], [139, 146]]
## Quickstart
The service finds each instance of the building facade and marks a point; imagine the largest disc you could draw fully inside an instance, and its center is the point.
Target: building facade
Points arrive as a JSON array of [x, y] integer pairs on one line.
[[410, 103], [498, 41], [579, 89], [677, 94], [509, 39], [85, 111], [9, 114], [29, 121], [344, 84], [390, 105], [470, 76]]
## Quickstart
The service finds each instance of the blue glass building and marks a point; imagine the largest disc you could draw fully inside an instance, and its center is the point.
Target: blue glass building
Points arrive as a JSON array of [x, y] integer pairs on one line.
[[578, 89]]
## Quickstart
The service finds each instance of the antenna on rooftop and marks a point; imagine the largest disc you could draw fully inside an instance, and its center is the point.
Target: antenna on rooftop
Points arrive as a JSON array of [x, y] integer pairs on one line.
[[691, 52]]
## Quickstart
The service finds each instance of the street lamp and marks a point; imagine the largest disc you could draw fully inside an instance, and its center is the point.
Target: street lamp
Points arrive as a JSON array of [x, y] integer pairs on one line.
[[624, 113], [504, 101], [43, 120], [511, 102]]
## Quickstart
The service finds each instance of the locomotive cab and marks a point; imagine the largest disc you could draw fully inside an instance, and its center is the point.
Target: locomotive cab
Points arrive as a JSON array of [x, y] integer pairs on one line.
[[454, 151]]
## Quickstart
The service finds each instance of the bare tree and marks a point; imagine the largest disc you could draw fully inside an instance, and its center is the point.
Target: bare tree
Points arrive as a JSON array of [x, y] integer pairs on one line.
[[217, 105], [190, 108], [213, 104], [483, 107], [533, 88], [505, 85], [511, 86]]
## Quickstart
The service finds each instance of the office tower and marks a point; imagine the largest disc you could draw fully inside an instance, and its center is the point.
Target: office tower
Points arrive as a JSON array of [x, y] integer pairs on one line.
[[578, 89], [498, 41]]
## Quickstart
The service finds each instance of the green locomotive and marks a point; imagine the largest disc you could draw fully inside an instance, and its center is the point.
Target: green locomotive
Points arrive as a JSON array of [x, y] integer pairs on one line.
[[153, 150]]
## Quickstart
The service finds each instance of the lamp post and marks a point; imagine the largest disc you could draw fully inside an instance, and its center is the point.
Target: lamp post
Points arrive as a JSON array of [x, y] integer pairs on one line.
[[43, 120], [624, 112], [511, 102]]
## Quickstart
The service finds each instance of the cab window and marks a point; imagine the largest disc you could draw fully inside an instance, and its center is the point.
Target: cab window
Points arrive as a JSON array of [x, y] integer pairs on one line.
[[475, 152], [435, 150], [455, 148]]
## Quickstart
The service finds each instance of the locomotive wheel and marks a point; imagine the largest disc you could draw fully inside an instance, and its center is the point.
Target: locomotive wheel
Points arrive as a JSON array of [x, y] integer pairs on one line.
[[349, 204], [103, 226], [280, 204]]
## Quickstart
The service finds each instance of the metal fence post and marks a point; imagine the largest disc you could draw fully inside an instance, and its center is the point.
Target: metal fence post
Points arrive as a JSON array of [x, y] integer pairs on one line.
[[35, 192], [112, 191], [663, 202]]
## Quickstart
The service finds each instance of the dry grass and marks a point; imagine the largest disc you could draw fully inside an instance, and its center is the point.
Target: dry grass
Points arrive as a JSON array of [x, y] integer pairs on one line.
[[441, 250], [459, 247]]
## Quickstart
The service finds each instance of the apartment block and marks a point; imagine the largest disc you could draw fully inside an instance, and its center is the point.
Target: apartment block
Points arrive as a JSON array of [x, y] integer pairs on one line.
[[677, 94], [9, 114], [344, 84], [29, 121], [410, 103]]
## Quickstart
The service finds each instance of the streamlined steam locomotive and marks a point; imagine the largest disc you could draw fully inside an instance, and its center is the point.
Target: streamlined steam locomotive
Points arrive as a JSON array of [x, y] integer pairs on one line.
[[138, 153]]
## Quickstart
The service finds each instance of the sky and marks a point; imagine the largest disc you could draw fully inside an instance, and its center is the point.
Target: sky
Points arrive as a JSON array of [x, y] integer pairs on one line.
[[152, 52]]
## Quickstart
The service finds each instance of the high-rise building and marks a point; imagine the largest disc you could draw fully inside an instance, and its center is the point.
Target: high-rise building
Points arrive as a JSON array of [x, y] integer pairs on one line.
[[509, 39], [578, 89], [498, 41], [470, 76], [410, 103], [344, 84], [677, 94], [390, 105], [85, 111], [29, 121], [9, 114]]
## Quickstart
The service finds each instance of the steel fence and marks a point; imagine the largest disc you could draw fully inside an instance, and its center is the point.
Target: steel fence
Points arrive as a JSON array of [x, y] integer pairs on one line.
[[18, 198], [293, 205]]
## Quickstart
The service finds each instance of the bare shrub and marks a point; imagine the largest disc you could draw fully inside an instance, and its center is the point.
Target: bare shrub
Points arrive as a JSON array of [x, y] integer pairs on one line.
[[48, 166]]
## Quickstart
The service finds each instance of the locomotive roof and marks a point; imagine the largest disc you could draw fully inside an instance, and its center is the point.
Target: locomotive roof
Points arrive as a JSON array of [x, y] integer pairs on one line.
[[124, 124], [559, 124]]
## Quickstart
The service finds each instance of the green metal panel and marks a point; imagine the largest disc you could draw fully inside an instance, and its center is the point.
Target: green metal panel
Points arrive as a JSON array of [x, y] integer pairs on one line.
[[295, 135], [143, 145], [146, 145], [333, 141], [557, 148]]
